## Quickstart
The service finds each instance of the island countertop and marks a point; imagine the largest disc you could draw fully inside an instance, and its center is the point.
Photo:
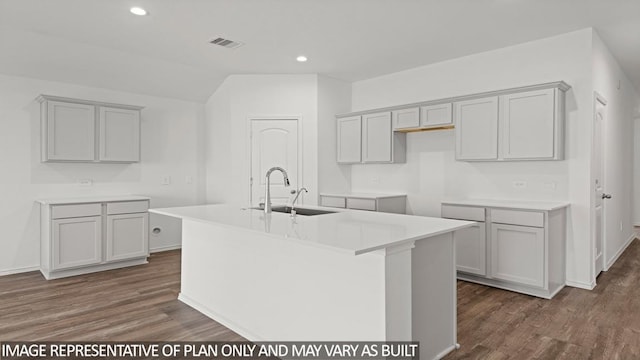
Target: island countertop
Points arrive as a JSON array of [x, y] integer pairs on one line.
[[353, 231]]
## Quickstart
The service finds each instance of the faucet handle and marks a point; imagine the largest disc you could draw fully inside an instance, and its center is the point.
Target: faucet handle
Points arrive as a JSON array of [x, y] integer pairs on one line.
[[293, 191]]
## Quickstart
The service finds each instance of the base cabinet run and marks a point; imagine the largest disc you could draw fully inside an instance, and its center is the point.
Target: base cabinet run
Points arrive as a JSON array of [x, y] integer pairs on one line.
[[89, 237], [512, 249], [371, 202]]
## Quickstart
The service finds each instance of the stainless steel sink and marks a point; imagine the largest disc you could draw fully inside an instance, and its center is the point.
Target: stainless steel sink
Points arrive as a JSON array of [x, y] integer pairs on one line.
[[301, 210]]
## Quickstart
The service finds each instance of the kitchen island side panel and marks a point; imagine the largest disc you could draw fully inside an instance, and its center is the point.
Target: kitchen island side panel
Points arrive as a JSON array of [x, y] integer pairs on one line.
[[279, 290]]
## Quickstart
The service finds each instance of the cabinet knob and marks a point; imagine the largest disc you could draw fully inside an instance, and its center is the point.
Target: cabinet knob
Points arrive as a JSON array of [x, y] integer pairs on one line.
[[606, 196]]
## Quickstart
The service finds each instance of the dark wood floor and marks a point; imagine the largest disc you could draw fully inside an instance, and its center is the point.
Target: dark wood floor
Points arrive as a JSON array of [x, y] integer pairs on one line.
[[576, 324], [140, 304]]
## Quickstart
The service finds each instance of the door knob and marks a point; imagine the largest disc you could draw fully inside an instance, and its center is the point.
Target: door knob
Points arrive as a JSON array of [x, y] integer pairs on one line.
[[606, 196]]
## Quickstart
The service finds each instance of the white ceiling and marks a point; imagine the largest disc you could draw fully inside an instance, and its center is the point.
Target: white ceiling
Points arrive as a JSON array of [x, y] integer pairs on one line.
[[99, 43]]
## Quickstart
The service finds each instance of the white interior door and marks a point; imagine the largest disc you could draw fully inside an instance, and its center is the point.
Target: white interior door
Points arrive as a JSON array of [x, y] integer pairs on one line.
[[273, 143], [598, 163]]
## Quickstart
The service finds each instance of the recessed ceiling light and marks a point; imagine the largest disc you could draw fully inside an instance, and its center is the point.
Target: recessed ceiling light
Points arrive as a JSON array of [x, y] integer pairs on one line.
[[138, 11], [301, 58]]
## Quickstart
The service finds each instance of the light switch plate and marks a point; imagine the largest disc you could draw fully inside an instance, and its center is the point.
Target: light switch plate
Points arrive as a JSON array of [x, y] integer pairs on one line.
[[166, 180]]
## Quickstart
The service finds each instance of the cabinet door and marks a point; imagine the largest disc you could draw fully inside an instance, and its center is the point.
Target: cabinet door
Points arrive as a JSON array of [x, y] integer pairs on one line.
[[349, 140], [517, 254], [406, 118], [119, 134], [70, 132], [127, 236], [76, 242], [471, 244], [476, 124], [528, 125], [377, 138], [436, 115]]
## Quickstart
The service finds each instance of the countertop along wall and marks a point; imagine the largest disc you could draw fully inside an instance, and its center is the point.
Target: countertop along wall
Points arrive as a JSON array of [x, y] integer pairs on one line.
[[431, 173], [171, 146]]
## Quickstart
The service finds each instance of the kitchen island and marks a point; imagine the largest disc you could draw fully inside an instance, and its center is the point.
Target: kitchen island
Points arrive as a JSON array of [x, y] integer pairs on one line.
[[344, 276]]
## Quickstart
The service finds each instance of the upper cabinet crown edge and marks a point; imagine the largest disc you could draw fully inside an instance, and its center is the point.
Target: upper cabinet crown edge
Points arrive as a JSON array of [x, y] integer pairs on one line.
[[41, 98], [556, 84]]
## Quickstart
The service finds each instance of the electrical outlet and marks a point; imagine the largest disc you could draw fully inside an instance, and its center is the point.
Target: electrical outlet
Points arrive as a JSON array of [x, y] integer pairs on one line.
[[549, 185], [188, 179], [375, 180], [85, 182], [166, 180], [519, 184]]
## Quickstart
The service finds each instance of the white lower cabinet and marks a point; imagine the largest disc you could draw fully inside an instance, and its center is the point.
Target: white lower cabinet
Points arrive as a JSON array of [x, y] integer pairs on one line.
[[521, 250], [371, 202], [78, 238], [76, 242], [471, 249], [517, 254], [127, 236]]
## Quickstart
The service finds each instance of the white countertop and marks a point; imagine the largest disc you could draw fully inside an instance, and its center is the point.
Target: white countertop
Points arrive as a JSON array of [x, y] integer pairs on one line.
[[363, 195], [91, 199], [352, 231], [511, 204]]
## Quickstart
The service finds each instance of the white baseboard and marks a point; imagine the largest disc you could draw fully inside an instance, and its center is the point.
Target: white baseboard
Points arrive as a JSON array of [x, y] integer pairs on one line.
[[581, 285], [19, 270], [622, 249], [229, 324], [165, 248]]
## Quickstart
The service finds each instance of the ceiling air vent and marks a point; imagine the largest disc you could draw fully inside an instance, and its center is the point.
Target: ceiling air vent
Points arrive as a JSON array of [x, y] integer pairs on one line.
[[229, 44]]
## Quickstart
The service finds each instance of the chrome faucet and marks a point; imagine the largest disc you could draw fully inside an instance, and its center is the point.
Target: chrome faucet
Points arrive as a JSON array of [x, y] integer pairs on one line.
[[293, 203], [267, 185]]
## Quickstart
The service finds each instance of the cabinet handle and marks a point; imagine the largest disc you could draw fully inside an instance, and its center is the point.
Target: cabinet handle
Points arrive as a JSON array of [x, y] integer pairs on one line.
[[606, 196]]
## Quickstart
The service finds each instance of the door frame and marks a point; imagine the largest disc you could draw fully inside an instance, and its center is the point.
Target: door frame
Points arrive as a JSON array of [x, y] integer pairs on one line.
[[597, 98], [299, 122]]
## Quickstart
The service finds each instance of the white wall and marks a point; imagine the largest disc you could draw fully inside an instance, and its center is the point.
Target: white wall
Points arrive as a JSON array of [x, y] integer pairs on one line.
[[171, 146], [611, 83], [431, 174], [636, 168], [228, 111], [334, 97]]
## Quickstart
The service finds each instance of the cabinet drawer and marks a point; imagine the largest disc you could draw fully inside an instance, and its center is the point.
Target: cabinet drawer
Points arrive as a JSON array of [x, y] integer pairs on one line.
[[515, 217], [361, 204], [463, 212], [127, 207], [75, 210], [332, 201]]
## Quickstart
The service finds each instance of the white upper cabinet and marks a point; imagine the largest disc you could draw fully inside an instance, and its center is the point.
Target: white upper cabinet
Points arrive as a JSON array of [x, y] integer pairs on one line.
[[68, 131], [380, 144], [517, 124], [530, 128], [377, 138], [119, 134], [369, 139], [476, 123], [406, 118], [436, 115], [88, 131], [349, 140]]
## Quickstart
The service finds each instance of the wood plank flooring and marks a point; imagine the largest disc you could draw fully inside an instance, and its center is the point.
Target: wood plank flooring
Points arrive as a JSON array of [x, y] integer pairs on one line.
[[576, 324], [140, 304]]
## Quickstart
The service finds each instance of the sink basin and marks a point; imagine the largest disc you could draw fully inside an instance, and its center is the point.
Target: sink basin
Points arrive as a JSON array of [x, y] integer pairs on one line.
[[301, 210]]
